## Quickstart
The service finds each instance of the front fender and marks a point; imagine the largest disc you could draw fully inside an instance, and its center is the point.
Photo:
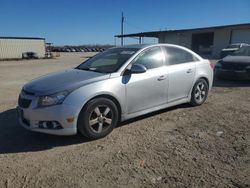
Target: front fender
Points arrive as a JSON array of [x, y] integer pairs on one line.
[[112, 87]]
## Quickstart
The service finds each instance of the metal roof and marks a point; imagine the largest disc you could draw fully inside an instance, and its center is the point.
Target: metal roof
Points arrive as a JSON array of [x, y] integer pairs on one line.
[[29, 38], [156, 33]]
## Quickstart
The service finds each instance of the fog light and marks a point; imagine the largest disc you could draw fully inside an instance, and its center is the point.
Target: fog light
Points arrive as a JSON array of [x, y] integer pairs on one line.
[[49, 125]]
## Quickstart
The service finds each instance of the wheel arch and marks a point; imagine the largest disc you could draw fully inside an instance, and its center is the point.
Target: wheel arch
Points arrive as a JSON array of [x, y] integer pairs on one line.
[[200, 77], [110, 97], [190, 95], [204, 78]]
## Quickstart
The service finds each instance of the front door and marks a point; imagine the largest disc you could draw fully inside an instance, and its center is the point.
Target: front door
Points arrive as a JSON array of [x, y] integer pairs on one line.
[[149, 89]]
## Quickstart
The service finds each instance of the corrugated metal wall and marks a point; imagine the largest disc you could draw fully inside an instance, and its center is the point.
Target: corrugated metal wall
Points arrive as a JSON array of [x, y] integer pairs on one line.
[[14, 48], [221, 37]]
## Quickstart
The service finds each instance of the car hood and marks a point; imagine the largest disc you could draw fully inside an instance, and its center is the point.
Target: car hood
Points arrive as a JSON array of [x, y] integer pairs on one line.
[[63, 80], [240, 59]]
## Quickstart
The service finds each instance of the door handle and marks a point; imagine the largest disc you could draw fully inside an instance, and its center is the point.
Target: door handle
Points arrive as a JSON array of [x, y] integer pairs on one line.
[[161, 78], [189, 71]]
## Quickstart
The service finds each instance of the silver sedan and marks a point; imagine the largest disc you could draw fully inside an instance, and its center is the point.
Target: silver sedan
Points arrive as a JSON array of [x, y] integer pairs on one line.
[[113, 86]]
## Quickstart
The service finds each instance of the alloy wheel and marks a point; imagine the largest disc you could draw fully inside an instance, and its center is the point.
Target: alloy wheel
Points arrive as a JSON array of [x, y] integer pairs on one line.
[[100, 118], [200, 92]]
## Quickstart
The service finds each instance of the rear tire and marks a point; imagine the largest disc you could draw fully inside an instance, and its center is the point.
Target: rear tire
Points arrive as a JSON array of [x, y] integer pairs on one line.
[[98, 118], [199, 92]]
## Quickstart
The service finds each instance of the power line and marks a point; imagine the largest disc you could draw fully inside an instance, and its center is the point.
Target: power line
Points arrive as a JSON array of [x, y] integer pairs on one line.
[[130, 25], [136, 27]]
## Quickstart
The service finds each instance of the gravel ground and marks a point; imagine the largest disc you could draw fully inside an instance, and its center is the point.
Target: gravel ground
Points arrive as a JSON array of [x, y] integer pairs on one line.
[[206, 146]]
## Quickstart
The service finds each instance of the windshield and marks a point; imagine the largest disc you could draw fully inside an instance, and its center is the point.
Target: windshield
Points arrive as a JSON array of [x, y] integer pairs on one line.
[[244, 51], [108, 61]]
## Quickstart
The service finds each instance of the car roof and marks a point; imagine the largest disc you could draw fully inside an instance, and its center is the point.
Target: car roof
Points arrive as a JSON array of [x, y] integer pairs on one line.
[[139, 46], [142, 46]]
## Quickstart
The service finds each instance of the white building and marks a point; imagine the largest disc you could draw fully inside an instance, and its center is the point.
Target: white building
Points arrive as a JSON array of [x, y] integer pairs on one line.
[[206, 41], [14, 47]]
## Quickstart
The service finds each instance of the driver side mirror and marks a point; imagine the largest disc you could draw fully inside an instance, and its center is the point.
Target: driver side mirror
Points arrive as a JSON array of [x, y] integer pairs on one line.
[[137, 69]]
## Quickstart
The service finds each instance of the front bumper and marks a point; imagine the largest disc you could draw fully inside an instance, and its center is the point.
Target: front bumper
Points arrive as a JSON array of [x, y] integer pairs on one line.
[[31, 117], [232, 74]]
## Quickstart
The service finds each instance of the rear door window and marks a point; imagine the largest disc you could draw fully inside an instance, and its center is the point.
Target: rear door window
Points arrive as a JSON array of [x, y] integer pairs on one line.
[[178, 56]]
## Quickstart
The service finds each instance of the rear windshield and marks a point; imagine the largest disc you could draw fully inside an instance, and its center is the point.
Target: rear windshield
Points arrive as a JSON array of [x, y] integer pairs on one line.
[[108, 61]]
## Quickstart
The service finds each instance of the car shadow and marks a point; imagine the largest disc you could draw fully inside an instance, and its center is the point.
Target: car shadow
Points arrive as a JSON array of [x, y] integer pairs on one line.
[[186, 105], [16, 139], [230, 83]]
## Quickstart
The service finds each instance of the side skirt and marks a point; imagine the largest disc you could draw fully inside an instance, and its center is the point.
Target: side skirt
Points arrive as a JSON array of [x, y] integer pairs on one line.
[[143, 112]]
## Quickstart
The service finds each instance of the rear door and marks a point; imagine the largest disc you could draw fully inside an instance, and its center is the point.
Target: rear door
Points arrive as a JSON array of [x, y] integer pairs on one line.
[[181, 72]]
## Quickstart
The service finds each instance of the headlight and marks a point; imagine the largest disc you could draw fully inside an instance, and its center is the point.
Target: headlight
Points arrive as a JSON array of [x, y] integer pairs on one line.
[[54, 99]]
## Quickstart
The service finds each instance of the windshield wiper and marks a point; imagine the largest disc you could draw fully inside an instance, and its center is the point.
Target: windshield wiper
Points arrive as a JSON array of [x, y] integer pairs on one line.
[[89, 69]]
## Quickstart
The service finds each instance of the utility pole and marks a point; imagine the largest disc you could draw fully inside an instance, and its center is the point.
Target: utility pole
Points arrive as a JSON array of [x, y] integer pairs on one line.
[[122, 22], [115, 41]]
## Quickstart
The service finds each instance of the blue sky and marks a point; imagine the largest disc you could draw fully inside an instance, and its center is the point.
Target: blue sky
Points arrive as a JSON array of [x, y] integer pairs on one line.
[[97, 21]]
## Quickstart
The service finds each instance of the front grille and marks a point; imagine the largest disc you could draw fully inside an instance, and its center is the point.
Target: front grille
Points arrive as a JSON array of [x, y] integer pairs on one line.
[[233, 66], [24, 103]]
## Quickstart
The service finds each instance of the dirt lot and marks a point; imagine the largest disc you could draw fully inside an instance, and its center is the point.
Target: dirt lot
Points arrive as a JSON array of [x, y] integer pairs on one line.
[[180, 147]]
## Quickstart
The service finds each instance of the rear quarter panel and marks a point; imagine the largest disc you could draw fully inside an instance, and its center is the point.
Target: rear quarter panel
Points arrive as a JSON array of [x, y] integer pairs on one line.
[[203, 69]]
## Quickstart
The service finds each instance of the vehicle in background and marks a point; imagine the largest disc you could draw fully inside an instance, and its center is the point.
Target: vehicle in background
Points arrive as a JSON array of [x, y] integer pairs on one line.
[[72, 49], [231, 48], [79, 48], [94, 50], [67, 50], [30, 55], [48, 54], [118, 84], [235, 66], [88, 50]]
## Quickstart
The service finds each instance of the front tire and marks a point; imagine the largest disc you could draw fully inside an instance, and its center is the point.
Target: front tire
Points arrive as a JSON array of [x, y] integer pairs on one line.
[[98, 118], [199, 92]]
